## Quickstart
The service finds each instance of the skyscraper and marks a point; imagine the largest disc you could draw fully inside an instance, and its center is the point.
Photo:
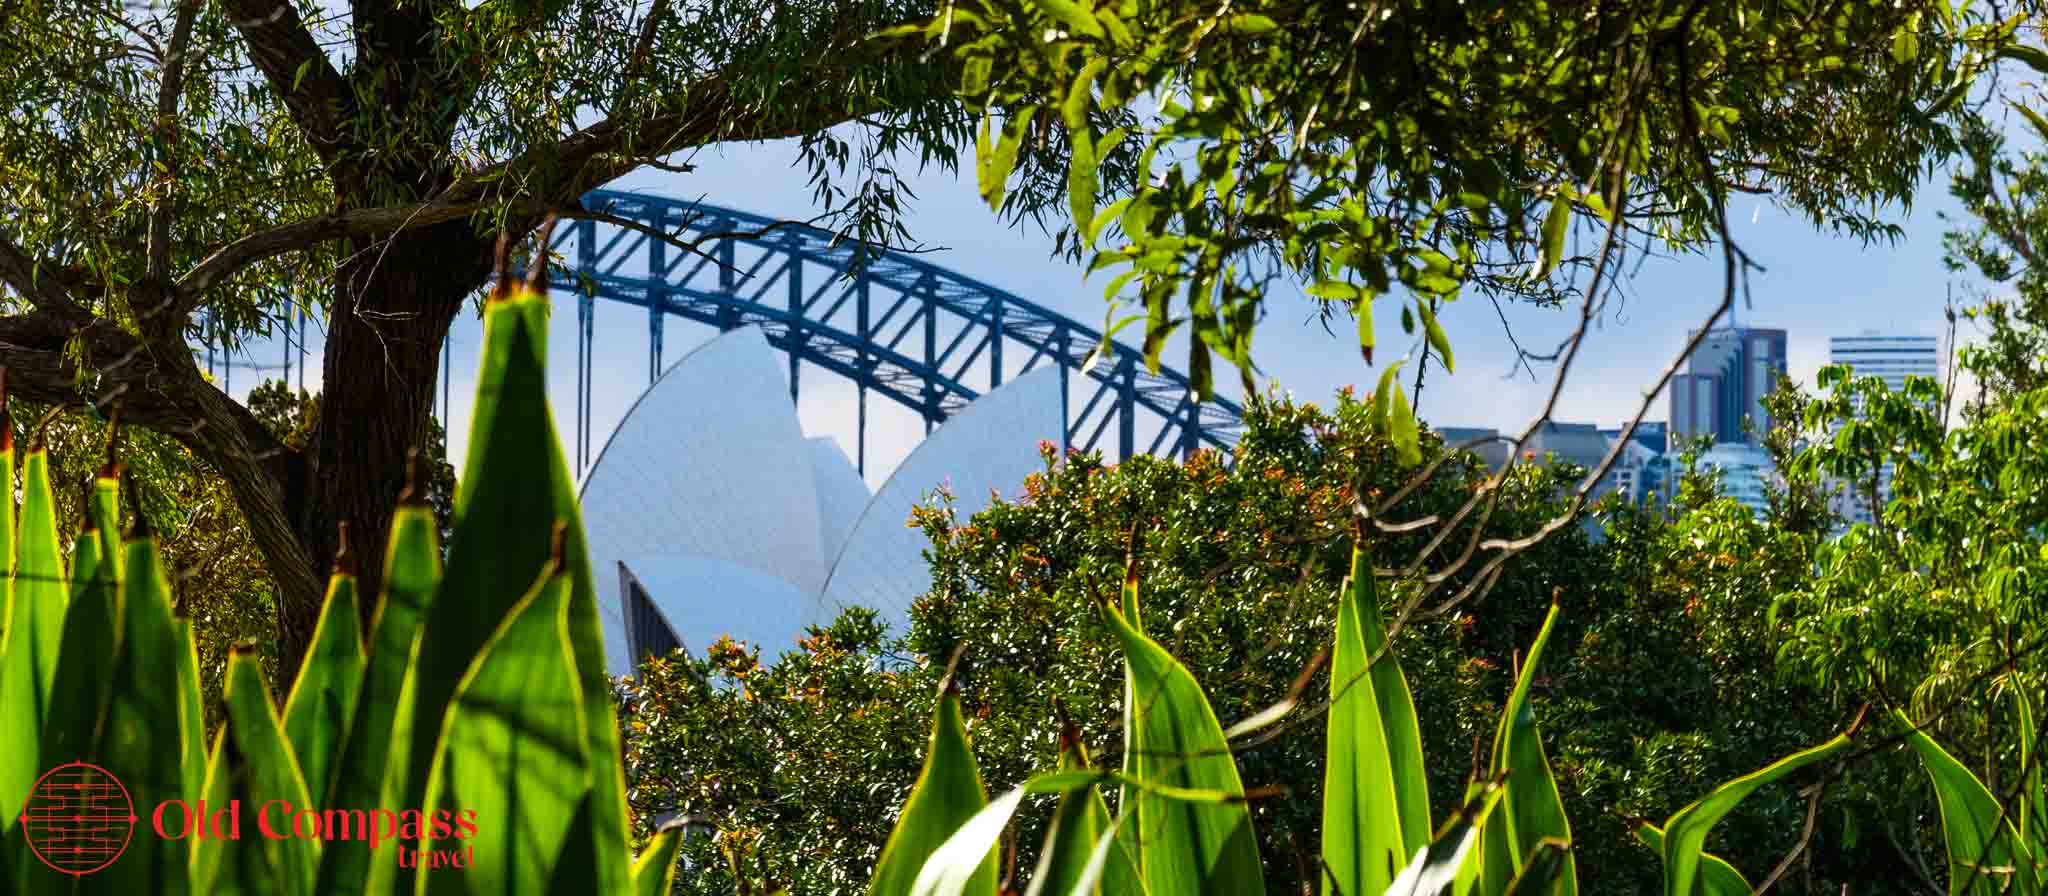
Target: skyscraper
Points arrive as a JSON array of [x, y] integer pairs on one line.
[[1892, 358], [1724, 385]]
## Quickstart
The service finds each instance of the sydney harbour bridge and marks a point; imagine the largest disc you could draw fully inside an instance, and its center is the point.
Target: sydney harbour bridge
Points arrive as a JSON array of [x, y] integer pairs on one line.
[[897, 327]]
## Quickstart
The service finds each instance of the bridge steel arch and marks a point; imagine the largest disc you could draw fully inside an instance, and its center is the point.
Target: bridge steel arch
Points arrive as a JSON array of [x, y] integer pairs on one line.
[[925, 337]]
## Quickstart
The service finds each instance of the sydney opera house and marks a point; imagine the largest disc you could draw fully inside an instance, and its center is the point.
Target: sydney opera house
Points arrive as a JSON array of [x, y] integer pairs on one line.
[[710, 513]]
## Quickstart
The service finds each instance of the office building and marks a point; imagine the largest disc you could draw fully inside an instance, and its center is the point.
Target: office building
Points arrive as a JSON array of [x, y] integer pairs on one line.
[[1721, 393], [1893, 358]]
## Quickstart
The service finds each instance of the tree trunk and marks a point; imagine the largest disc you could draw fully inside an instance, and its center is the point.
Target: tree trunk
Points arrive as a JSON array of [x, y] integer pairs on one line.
[[393, 304]]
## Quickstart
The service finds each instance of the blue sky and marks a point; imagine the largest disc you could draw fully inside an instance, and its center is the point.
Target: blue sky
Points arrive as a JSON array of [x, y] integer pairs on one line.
[[1815, 285]]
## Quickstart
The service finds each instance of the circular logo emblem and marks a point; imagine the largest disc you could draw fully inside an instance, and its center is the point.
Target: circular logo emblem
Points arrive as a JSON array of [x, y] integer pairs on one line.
[[78, 818]]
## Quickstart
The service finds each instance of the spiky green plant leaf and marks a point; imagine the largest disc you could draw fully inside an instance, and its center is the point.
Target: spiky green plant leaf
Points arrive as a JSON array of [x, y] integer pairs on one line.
[[141, 738], [93, 632], [948, 793], [1082, 836], [36, 597], [1717, 877], [1985, 853], [654, 871], [516, 482], [1176, 741], [1685, 834], [374, 766], [964, 865], [269, 770], [512, 759], [316, 715], [1531, 809], [1445, 865], [1375, 804]]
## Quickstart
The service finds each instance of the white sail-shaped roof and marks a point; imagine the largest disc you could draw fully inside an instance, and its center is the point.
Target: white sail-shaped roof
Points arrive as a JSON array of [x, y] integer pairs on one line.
[[703, 599], [991, 445], [841, 493], [709, 463]]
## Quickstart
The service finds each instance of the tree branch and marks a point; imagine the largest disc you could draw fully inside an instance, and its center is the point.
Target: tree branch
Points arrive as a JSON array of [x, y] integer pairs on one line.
[[158, 240], [299, 72], [35, 281], [297, 235]]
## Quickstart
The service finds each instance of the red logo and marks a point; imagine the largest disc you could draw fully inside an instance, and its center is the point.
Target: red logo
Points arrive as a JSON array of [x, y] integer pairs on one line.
[[78, 818]]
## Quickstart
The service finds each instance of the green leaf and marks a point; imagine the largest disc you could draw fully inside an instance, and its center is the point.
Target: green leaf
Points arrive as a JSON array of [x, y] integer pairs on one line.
[[1717, 877], [993, 168], [1081, 836], [1078, 17], [1375, 798], [316, 715], [1081, 94], [654, 872], [1685, 834], [1082, 177], [36, 600], [1405, 431], [1176, 741], [2031, 57], [142, 739], [192, 708], [22, 654], [1973, 824], [271, 772], [1444, 866], [515, 488], [1556, 223], [965, 863], [948, 793], [1333, 290], [374, 766], [1531, 809], [1361, 308], [1249, 23], [92, 633], [512, 757], [2033, 118], [1434, 332], [1383, 402], [2032, 798], [1101, 220]]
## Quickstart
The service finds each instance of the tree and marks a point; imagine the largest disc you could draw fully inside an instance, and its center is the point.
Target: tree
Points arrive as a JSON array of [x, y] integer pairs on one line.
[[199, 169], [1429, 147]]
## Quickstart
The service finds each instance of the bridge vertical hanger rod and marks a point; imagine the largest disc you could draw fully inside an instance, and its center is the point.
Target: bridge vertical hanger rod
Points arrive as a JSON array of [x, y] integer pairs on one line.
[[928, 292], [1062, 339], [447, 374], [860, 388], [657, 298], [728, 285], [794, 273], [304, 313], [995, 343], [1126, 405], [585, 357], [586, 258], [287, 347]]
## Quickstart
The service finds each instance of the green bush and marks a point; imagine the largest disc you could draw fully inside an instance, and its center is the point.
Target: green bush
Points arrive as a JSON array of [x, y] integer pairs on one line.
[[1658, 647]]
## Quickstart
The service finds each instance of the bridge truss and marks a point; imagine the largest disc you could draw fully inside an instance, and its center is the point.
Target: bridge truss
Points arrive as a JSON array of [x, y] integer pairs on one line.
[[922, 336]]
